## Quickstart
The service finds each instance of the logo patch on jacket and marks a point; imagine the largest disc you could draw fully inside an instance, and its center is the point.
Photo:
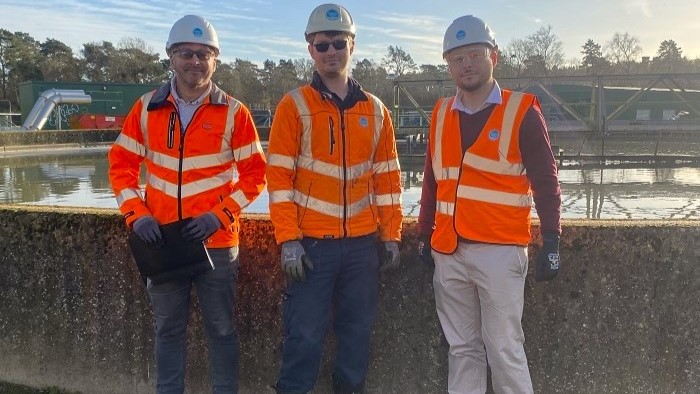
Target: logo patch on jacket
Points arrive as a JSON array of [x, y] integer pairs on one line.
[[493, 135], [207, 125], [364, 122]]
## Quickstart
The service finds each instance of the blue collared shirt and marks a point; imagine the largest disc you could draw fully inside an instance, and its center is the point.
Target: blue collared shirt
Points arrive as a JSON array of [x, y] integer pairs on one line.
[[493, 98], [184, 108]]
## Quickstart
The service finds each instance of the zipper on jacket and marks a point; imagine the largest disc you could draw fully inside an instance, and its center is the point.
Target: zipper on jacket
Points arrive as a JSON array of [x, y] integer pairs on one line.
[[179, 164], [345, 185], [171, 129], [330, 133]]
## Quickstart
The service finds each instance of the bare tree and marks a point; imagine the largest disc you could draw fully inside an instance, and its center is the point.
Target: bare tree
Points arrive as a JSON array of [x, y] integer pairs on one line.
[[547, 48], [397, 61], [622, 50], [518, 51], [135, 62], [305, 69]]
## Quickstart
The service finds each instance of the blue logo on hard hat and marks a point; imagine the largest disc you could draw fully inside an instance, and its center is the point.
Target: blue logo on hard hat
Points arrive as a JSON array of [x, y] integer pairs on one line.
[[461, 35], [332, 15], [364, 122], [493, 135], [197, 32]]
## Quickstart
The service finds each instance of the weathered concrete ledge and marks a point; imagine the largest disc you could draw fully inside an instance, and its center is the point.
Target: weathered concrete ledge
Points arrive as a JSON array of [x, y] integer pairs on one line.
[[621, 318]]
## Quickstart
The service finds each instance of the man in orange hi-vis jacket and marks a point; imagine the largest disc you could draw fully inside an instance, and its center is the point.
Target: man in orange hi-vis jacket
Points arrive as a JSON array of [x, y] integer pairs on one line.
[[488, 159], [335, 189], [190, 134]]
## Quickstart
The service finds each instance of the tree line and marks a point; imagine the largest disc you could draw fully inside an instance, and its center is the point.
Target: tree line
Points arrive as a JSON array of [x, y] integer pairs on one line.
[[23, 58]]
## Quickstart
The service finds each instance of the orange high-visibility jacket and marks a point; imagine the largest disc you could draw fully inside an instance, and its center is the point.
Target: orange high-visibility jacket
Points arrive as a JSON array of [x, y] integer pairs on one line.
[[188, 173], [483, 195], [333, 173]]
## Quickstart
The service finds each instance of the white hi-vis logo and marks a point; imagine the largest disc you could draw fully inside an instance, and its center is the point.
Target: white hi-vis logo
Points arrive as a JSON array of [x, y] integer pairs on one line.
[[553, 261]]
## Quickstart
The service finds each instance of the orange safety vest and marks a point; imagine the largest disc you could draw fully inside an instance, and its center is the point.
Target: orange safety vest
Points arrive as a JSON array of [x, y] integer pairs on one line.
[[482, 195], [333, 174], [188, 173]]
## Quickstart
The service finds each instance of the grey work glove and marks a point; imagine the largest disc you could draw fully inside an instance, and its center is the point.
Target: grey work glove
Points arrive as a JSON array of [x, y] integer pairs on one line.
[[147, 229], [547, 265], [424, 251], [294, 259], [390, 258], [201, 227]]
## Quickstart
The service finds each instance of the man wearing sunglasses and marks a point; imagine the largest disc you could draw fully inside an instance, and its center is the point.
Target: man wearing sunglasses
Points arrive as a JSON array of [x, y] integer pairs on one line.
[[334, 186], [190, 134], [488, 158]]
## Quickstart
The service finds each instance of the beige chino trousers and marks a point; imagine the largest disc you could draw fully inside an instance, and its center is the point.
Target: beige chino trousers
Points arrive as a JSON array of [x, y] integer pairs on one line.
[[479, 295]]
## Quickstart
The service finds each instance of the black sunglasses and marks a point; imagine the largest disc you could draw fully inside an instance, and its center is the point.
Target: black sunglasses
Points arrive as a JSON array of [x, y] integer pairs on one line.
[[186, 53], [337, 44]]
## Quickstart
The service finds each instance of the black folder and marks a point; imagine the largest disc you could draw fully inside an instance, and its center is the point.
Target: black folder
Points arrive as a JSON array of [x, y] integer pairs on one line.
[[173, 258]]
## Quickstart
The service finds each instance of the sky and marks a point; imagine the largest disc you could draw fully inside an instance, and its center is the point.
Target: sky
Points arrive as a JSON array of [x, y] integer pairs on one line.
[[257, 30]]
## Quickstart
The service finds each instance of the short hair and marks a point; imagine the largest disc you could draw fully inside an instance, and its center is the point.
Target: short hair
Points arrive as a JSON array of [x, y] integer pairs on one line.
[[310, 37]]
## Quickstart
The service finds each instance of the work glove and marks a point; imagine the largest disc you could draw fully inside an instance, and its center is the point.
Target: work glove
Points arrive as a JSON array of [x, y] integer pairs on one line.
[[390, 258], [201, 227], [147, 229], [294, 259], [424, 251], [548, 259]]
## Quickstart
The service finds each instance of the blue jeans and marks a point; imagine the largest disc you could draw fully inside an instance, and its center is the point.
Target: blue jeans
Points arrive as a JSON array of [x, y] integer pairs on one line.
[[171, 306], [345, 278]]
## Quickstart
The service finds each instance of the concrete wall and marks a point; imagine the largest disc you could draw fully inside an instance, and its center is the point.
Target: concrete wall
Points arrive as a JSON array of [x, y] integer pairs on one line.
[[621, 317], [50, 137]]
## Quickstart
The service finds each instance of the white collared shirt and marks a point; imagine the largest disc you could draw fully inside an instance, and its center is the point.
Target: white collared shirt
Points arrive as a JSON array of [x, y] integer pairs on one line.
[[184, 108], [493, 98]]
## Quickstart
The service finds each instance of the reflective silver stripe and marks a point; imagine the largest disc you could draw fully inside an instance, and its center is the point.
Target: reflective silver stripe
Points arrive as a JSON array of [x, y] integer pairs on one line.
[[239, 197], [304, 116], [437, 143], [333, 170], [283, 161], [378, 121], [447, 173], [497, 167], [279, 196], [128, 194], [130, 144], [145, 99], [445, 208], [388, 199], [192, 188], [502, 165], [190, 163], [233, 107], [496, 197], [386, 166], [509, 114], [327, 208], [247, 151]]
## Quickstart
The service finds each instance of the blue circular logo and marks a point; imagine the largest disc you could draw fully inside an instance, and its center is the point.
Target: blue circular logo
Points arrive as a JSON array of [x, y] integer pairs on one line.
[[461, 35], [364, 122], [332, 15], [197, 32], [493, 135]]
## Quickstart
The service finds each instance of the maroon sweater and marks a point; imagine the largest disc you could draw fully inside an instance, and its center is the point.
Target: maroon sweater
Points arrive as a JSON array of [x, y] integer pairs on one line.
[[538, 159]]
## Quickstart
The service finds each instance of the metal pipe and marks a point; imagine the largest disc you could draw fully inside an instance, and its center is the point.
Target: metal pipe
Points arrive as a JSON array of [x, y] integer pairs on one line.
[[47, 101]]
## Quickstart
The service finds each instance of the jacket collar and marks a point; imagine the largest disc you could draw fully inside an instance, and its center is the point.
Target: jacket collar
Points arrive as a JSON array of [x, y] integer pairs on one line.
[[355, 92], [162, 96]]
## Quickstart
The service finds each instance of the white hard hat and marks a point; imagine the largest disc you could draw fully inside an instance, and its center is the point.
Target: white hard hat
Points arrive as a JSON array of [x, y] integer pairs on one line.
[[194, 29], [330, 17], [467, 30]]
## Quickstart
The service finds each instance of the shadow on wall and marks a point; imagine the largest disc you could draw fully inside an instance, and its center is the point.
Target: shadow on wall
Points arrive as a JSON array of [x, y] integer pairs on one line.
[[621, 316]]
